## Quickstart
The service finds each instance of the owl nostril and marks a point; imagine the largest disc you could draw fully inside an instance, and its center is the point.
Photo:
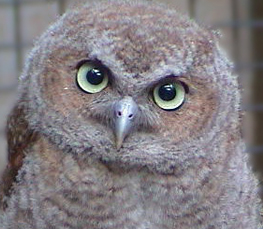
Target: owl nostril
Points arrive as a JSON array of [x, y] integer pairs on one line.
[[125, 109], [119, 114]]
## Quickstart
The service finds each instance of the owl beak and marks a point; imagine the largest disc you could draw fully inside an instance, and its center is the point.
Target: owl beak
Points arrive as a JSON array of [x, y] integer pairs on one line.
[[125, 112]]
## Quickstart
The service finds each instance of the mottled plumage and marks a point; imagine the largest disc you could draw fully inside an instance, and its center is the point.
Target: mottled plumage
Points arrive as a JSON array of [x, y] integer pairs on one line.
[[76, 167]]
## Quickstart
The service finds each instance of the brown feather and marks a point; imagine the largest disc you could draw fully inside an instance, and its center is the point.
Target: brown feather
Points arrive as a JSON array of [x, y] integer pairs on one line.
[[19, 138]]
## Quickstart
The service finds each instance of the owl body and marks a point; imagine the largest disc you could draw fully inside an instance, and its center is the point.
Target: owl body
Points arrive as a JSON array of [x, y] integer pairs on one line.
[[87, 194], [127, 117]]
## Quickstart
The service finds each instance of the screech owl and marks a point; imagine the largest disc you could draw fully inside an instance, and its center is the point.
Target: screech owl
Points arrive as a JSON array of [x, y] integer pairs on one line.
[[127, 117]]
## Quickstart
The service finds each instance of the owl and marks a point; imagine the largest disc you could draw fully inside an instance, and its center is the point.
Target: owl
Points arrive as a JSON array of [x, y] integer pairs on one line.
[[127, 116]]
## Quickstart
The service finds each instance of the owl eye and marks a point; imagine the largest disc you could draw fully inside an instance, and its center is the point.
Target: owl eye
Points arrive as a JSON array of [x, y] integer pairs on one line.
[[169, 96], [92, 78]]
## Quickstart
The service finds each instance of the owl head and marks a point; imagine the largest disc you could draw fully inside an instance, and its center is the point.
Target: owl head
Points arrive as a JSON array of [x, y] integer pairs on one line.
[[133, 84]]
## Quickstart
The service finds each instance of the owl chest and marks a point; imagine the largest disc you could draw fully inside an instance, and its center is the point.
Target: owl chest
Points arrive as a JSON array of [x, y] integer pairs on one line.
[[89, 195], [96, 199]]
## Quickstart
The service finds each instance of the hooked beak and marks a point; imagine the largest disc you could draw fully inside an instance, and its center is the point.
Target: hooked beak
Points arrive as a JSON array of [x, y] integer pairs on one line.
[[125, 112]]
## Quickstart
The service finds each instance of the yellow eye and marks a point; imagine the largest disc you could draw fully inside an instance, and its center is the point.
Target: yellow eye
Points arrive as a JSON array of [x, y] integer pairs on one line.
[[169, 96], [92, 78]]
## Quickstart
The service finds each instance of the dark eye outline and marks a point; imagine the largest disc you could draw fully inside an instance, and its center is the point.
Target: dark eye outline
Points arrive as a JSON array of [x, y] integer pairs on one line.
[[98, 64], [171, 79]]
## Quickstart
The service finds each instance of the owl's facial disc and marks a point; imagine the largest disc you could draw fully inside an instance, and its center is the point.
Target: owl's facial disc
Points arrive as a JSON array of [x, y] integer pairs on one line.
[[125, 112]]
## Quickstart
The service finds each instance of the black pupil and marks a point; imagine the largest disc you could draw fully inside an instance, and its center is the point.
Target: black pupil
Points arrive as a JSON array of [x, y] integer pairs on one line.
[[95, 76], [167, 92]]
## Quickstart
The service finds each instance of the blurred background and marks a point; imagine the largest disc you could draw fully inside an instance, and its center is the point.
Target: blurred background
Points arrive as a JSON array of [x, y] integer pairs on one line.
[[239, 21]]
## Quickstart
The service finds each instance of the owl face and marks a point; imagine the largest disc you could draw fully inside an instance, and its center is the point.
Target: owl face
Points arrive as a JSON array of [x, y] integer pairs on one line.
[[130, 84]]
